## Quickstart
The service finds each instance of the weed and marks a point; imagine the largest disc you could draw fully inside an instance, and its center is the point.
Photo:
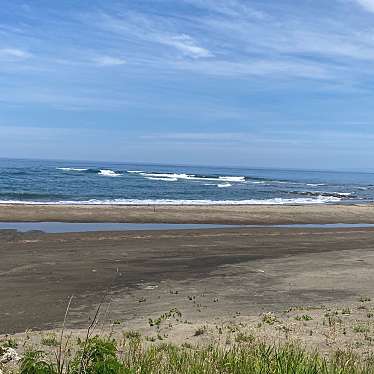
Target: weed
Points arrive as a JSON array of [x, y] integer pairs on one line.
[[361, 329], [50, 340], [35, 362], [132, 335], [364, 299], [173, 313], [101, 356], [200, 331], [304, 317], [97, 355], [244, 338], [10, 343], [269, 318]]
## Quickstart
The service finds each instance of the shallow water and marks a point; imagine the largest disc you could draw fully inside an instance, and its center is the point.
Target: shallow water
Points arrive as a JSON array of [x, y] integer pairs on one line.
[[63, 227]]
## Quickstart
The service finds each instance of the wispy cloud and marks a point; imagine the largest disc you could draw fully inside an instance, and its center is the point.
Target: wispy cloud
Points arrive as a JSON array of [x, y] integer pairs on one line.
[[367, 4], [231, 8], [156, 30], [14, 53], [187, 45], [109, 61]]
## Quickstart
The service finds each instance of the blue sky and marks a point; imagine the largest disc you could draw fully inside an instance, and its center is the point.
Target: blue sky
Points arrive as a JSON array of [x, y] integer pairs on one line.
[[263, 83]]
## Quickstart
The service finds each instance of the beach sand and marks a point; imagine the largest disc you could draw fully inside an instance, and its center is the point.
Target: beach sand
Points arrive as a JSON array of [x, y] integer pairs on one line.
[[315, 283], [209, 275], [222, 214]]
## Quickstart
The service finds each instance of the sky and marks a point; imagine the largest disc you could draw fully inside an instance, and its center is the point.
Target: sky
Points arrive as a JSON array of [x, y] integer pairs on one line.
[[253, 83]]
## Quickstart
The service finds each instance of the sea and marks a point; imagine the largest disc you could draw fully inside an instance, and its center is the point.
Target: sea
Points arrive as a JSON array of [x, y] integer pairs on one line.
[[82, 182]]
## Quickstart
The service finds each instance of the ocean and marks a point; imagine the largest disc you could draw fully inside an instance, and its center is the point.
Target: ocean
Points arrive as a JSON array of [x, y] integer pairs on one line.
[[68, 182]]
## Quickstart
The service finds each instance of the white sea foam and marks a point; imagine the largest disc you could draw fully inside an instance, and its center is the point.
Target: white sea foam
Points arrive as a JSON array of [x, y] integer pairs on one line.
[[223, 185], [108, 173], [342, 193], [134, 171], [183, 176], [72, 169], [162, 179], [275, 201], [232, 179]]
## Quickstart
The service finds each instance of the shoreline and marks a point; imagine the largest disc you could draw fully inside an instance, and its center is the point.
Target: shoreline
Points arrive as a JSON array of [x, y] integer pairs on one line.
[[191, 214]]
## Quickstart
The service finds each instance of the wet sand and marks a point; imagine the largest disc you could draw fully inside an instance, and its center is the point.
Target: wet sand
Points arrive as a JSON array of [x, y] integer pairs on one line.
[[206, 274], [220, 214]]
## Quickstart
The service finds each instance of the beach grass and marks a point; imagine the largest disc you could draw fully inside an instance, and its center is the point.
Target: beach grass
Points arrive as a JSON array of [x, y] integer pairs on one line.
[[131, 355]]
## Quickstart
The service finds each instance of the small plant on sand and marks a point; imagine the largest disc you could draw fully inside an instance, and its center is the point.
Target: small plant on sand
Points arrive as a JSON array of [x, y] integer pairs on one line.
[[362, 329], [244, 338], [304, 317], [50, 340], [200, 331], [9, 343], [346, 311], [269, 318], [364, 299], [132, 335], [172, 313]]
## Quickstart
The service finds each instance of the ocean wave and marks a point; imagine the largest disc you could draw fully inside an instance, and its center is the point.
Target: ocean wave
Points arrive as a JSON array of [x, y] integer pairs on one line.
[[270, 182], [193, 177], [162, 179], [224, 185], [274, 201], [72, 169], [324, 194], [134, 171], [232, 179], [101, 172], [108, 173]]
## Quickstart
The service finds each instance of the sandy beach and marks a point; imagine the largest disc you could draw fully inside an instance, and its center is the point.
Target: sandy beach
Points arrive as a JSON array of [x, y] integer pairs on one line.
[[216, 214], [207, 274]]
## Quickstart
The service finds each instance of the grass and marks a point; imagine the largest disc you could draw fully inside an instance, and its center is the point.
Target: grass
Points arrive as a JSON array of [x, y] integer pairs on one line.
[[269, 318], [362, 329], [304, 317], [50, 340], [105, 355]]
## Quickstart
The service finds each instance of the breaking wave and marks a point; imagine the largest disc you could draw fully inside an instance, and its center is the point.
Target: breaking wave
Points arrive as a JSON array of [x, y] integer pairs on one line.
[[274, 201], [102, 172], [109, 173], [172, 177], [324, 194], [72, 169]]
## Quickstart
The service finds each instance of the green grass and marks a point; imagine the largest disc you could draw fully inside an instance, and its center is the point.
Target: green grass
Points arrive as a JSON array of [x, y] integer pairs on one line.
[[304, 317], [99, 355], [360, 328]]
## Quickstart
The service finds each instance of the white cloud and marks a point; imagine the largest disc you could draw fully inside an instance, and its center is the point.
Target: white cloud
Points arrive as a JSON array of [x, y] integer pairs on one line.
[[367, 4], [14, 53], [231, 8], [109, 61], [159, 30], [186, 45], [256, 67]]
